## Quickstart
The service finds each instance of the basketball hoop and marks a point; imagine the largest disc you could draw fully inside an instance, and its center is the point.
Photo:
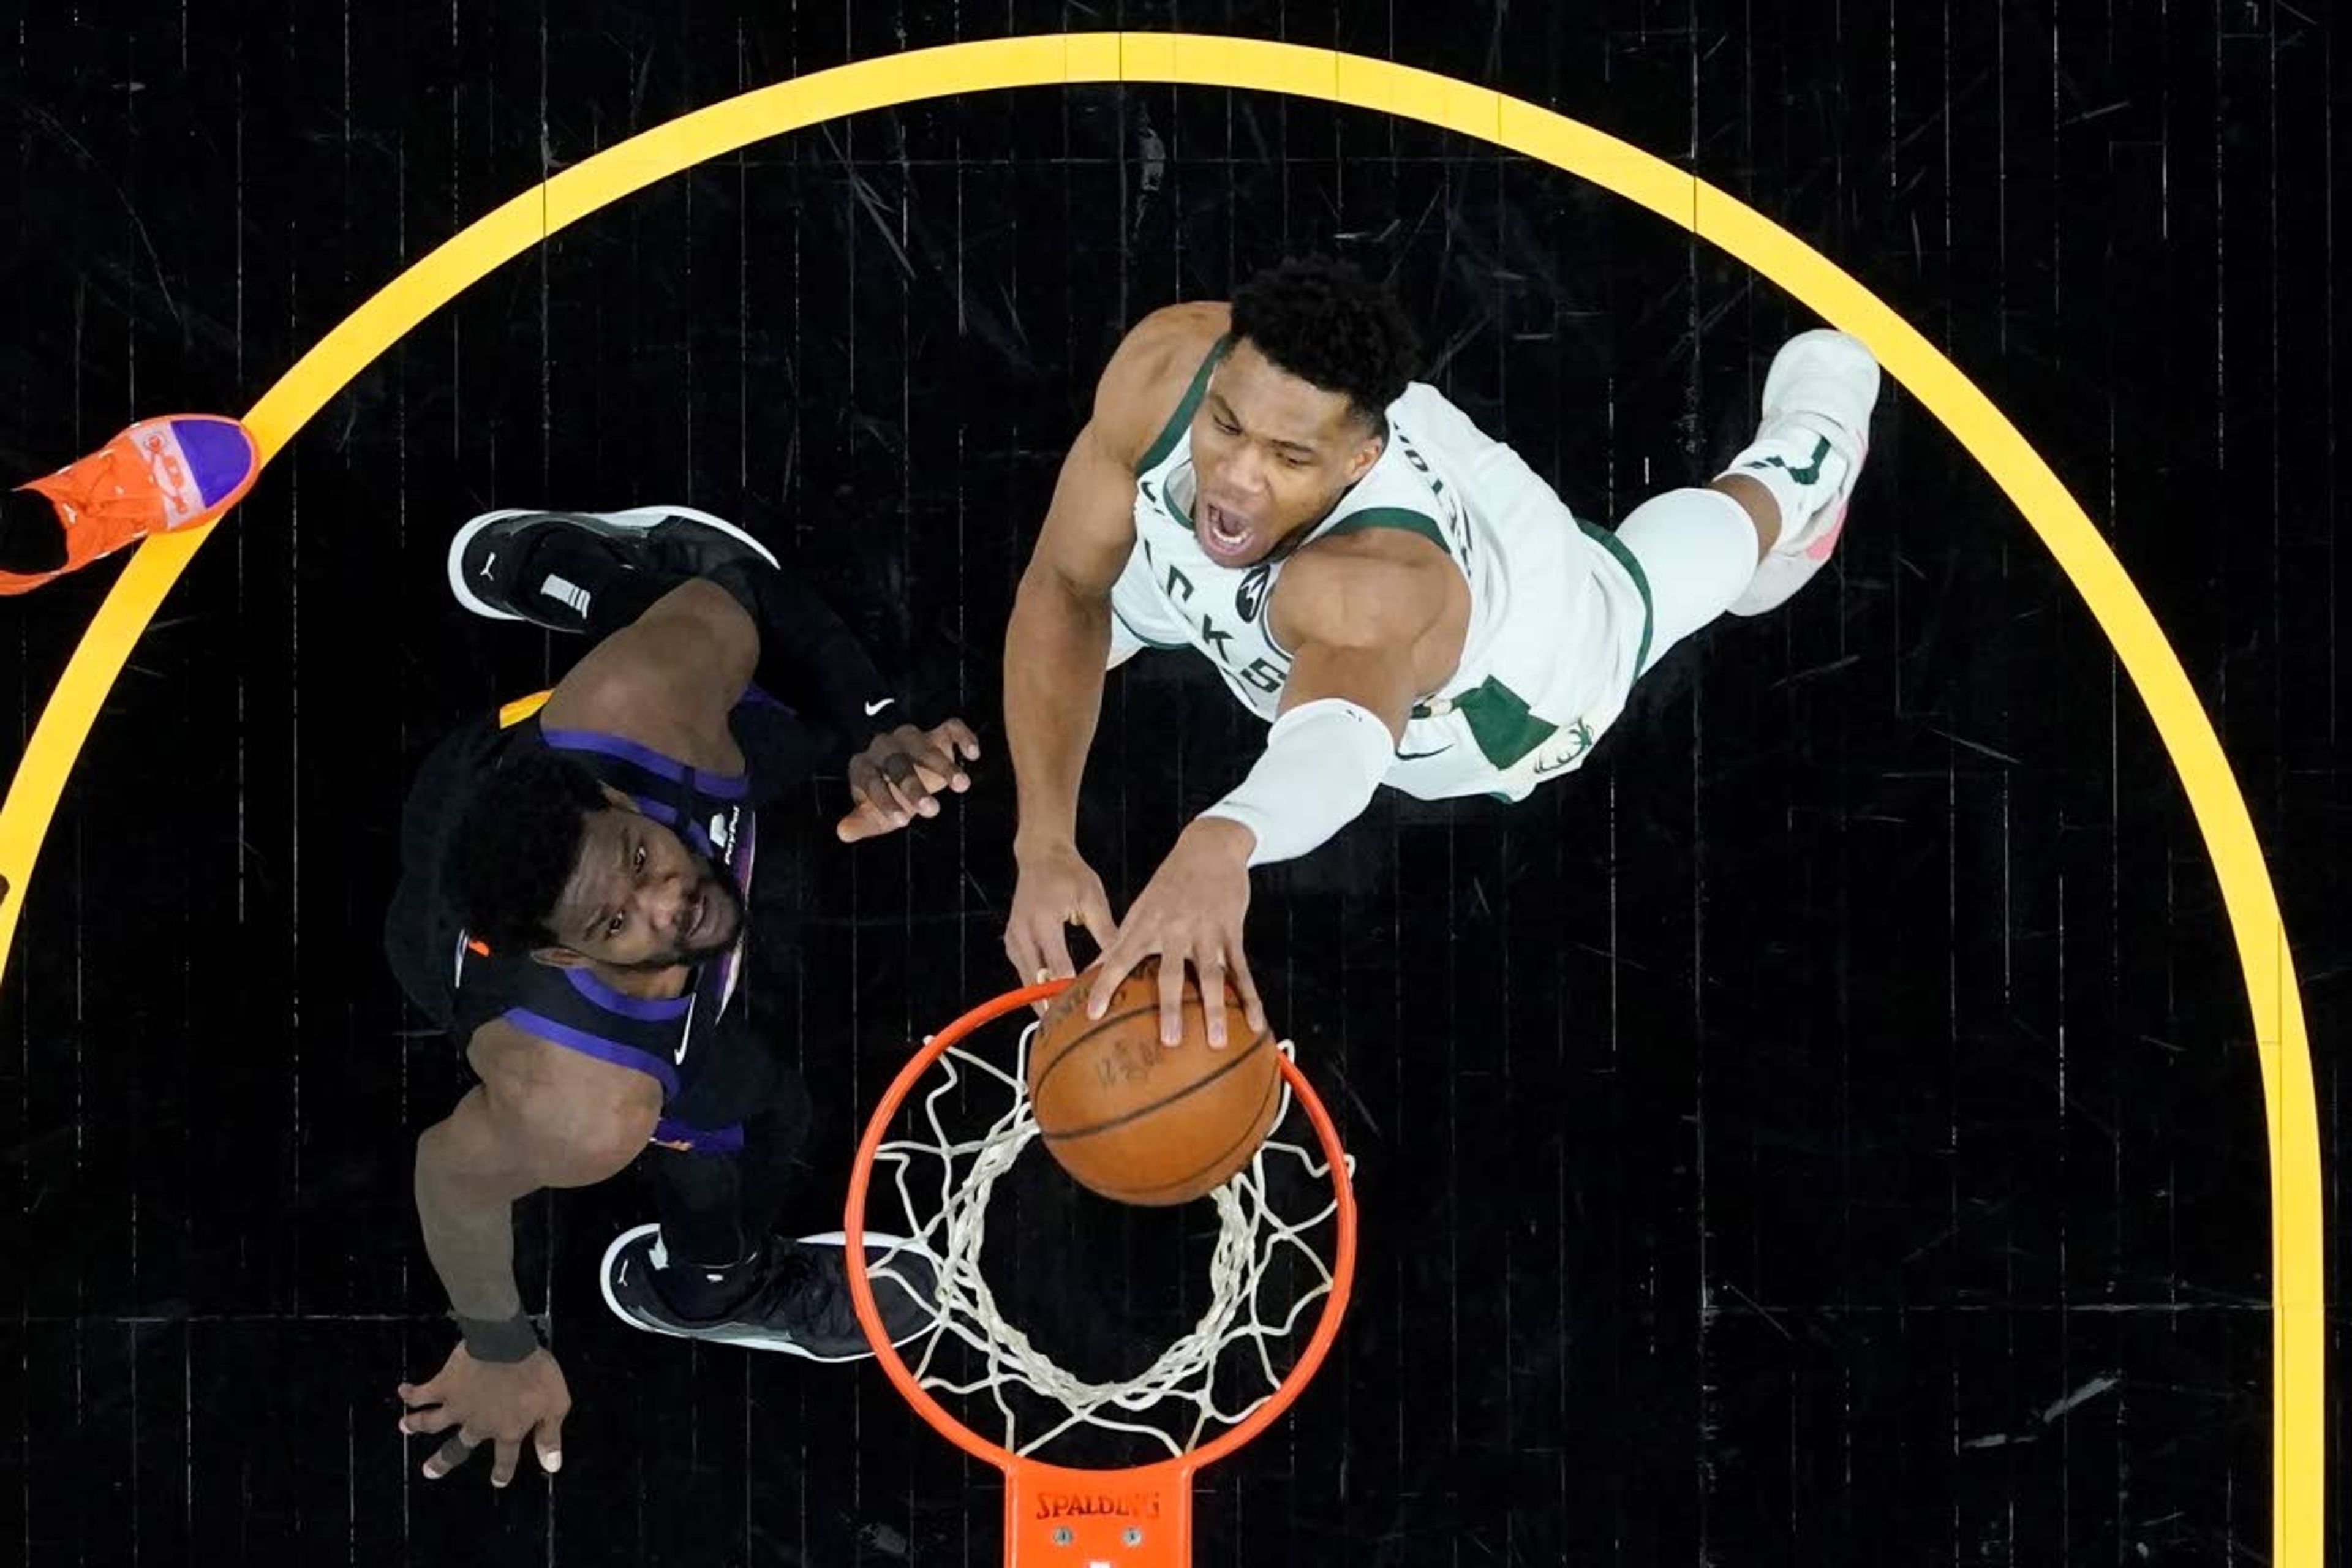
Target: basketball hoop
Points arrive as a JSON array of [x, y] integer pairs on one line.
[[1063, 1516]]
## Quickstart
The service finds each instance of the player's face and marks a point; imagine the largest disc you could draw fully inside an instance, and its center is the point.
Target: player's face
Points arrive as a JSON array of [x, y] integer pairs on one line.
[[1271, 453], [641, 898]]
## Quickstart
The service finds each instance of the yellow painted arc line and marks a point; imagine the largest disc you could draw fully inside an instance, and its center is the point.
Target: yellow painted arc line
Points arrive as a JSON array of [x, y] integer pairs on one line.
[[2299, 1444]]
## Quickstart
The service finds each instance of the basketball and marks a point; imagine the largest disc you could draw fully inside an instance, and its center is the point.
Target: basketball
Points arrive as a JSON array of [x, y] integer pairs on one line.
[[1139, 1121]]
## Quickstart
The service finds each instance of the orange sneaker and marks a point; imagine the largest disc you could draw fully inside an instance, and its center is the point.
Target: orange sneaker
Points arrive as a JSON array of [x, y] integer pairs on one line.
[[159, 475]]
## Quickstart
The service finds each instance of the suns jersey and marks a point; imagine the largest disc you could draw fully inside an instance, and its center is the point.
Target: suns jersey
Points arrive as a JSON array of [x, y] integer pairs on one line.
[[683, 1043], [1558, 625]]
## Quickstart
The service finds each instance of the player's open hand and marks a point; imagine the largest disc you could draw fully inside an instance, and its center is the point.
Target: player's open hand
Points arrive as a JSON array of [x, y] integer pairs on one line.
[[1056, 889], [1191, 913], [899, 777], [497, 1402]]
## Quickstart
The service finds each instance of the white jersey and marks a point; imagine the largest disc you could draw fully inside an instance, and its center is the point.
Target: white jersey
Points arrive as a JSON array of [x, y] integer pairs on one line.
[[1559, 612]]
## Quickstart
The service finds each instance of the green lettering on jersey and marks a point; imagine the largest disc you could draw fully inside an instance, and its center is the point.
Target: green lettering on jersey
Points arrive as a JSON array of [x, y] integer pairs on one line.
[[1217, 639]]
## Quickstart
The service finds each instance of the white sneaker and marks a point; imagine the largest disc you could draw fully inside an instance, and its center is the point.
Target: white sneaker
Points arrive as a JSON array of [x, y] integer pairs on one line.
[[1809, 450]]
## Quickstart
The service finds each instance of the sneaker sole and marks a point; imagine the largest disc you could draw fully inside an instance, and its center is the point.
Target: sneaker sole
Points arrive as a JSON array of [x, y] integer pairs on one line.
[[748, 1341], [651, 516]]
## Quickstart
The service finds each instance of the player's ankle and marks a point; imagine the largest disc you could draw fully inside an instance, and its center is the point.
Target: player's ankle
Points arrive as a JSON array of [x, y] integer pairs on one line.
[[1757, 500]]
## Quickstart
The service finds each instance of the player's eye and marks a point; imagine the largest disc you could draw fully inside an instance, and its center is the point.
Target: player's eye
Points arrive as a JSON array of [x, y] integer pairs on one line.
[[637, 860], [613, 927]]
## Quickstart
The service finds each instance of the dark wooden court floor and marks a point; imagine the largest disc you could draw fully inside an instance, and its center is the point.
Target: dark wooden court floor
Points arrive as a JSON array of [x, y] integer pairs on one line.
[[1825, 1129]]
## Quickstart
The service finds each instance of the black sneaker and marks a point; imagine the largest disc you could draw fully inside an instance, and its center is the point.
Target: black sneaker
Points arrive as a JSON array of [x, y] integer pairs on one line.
[[490, 558], [800, 1305]]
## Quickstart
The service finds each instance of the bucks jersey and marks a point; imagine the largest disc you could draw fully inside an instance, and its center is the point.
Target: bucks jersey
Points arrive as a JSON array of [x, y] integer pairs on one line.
[[1559, 622]]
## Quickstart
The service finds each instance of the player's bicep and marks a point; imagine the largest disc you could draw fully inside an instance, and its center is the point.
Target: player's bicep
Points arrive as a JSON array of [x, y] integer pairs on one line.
[[1090, 527], [516, 1132], [1360, 628], [684, 663]]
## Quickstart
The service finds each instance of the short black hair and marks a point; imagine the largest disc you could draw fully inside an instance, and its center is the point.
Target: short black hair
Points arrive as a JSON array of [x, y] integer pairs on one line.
[[515, 847], [1327, 323]]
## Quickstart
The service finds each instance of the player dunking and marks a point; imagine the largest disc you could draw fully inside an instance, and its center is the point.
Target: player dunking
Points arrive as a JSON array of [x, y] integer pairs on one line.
[[576, 884], [1400, 595]]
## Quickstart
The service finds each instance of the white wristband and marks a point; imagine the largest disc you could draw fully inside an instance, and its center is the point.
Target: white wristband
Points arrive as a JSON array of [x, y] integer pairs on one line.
[[1323, 760]]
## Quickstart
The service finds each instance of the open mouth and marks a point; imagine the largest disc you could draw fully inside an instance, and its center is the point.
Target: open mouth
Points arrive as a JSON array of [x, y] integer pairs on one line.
[[1222, 533]]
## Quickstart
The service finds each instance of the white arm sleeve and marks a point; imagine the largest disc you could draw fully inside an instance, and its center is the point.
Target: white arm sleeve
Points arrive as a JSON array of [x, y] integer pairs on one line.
[[1323, 761]]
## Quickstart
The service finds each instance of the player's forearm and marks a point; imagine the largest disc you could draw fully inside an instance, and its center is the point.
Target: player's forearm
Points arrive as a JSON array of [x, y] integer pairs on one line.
[[1054, 653], [810, 654], [468, 1236]]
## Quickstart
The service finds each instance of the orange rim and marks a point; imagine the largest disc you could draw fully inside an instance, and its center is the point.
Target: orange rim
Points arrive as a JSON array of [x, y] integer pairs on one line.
[[869, 1317]]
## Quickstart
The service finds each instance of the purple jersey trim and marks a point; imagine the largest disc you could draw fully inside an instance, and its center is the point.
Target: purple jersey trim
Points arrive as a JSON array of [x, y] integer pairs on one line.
[[596, 1046], [718, 786], [645, 1009]]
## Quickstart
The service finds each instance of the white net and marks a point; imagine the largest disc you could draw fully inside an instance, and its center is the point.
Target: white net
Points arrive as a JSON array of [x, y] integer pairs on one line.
[[1265, 1276]]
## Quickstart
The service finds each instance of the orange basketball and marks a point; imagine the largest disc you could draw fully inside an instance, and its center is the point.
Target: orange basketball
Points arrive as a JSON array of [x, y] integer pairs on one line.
[[1143, 1122]]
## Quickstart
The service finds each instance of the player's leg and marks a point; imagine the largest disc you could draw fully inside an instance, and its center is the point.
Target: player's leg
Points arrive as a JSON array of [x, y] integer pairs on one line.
[[1749, 539], [675, 592], [711, 1267], [614, 577]]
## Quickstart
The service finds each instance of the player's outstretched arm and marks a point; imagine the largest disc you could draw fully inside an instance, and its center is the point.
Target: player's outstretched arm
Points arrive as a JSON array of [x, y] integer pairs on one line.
[[1377, 621], [500, 1386], [1059, 636]]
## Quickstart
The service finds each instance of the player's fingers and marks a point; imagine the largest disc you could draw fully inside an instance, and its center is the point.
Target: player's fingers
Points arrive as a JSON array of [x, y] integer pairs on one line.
[[1172, 996], [1053, 960], [1094, 913], [503, 1459], [869, 788], [863, 822], [951, 740], [936, 771], [938, 758], [957, 734], [413, 1393], [905, 787], [549, 1440], [1110, 970], [1038, 954], [1212, 996], [450, 1455], [424, 1422], [1253, 1008]]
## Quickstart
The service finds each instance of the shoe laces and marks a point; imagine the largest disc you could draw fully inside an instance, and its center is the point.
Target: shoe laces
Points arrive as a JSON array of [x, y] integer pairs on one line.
[[797, 1286]]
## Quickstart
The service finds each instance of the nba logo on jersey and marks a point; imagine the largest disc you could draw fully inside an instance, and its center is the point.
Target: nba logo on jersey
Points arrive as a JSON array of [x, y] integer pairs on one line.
[[722, 832]]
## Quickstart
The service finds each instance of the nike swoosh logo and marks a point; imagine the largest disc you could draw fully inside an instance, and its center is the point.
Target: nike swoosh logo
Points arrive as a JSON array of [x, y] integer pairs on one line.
[[1416, 756], [874, 707]]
